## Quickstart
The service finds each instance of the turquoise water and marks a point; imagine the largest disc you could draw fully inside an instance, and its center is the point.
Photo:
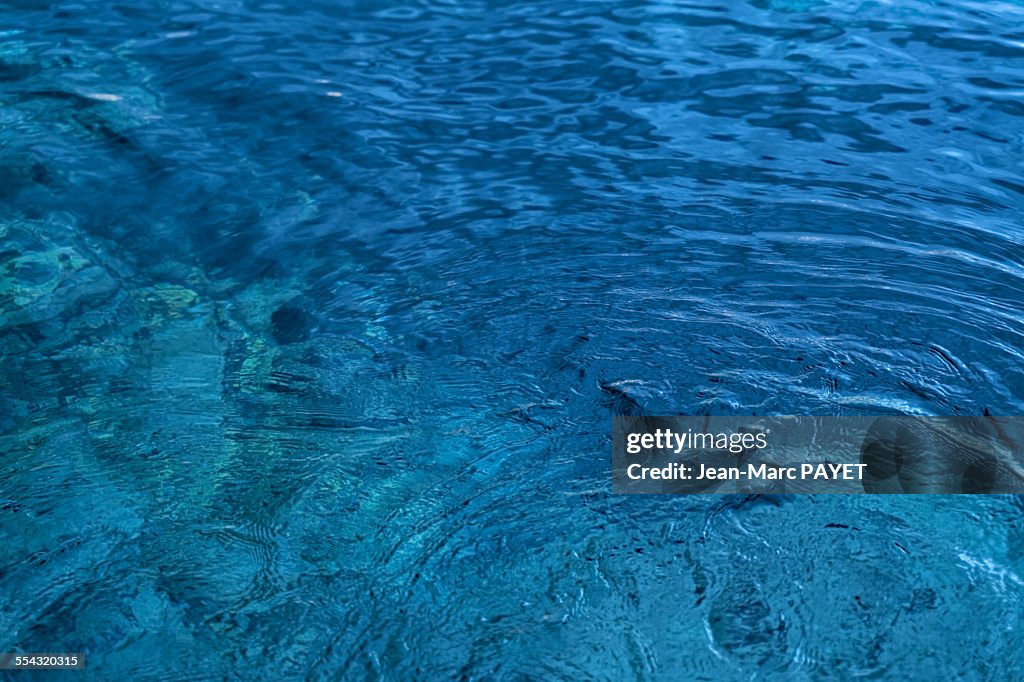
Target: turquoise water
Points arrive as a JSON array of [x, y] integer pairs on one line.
[[314, 316]]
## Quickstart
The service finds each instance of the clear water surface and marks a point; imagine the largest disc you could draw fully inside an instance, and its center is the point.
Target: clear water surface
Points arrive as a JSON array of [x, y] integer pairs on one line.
[[313, 316]]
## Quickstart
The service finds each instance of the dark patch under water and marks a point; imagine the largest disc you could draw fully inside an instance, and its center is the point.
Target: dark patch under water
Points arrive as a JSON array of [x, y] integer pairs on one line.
[[313, 316]]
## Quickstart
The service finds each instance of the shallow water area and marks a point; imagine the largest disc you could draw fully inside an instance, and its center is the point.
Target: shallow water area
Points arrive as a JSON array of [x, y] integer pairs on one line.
[[313, 317]]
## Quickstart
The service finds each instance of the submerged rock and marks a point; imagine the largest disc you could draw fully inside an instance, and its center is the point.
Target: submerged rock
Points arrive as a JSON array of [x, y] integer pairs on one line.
[[291, 324], [51, 289]]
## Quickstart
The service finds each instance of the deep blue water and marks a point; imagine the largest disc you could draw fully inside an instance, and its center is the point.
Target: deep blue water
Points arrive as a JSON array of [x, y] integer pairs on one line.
[[313, 316]]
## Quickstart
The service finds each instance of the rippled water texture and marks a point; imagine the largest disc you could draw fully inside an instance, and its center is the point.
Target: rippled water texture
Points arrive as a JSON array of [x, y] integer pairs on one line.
[[313, 316]]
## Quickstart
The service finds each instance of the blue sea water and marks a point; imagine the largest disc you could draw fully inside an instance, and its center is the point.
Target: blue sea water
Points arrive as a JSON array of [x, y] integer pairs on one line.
[[314, 316]]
